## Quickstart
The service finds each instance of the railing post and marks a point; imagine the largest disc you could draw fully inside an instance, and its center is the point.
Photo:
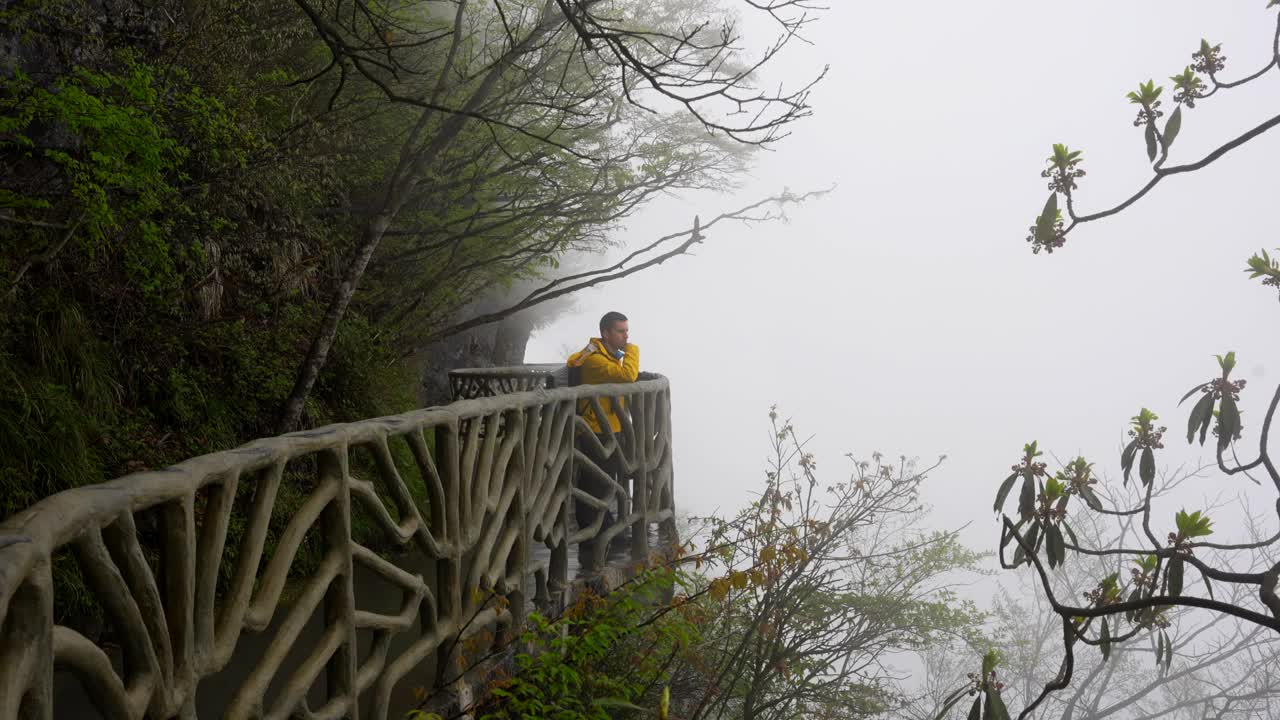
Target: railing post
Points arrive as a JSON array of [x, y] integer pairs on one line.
[[449, 568], [178, 573], [666, 500], [558, 567], [527, 425], [640, 413], [26, 645], [340, 599], [200, 630]]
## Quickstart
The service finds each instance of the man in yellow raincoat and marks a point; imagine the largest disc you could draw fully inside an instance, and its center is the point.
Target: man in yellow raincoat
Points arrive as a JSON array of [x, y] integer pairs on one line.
[[609, 358], [606, 359]]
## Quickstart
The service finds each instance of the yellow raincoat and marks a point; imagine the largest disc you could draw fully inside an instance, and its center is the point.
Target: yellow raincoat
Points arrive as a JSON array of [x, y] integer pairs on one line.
[[600, 368]]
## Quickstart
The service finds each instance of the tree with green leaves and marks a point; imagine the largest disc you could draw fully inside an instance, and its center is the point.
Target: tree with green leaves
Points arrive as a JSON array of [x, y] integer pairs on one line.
[[185, 186], [1221, 666], [1176, 563], [795, 606], [823, 586], [542, 89]]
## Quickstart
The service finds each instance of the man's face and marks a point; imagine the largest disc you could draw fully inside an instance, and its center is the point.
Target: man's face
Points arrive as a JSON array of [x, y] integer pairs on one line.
[[616, 336]]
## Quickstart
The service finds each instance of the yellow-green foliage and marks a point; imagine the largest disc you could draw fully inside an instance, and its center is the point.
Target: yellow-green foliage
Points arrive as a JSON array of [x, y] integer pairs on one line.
[[107, 366]]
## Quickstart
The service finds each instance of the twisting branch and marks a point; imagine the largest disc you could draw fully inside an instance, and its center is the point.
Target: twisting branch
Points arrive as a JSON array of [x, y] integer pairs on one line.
[[581, 281], [1064, 674], [1050, 231], [1206, 646], [1162, 173], [1156, 583], [697, 67], [45, 255], [550, 79]]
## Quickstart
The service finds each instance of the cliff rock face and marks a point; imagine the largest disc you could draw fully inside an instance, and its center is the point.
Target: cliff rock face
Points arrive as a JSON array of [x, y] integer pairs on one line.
[[496, 345], [49, 38], [511, 339]]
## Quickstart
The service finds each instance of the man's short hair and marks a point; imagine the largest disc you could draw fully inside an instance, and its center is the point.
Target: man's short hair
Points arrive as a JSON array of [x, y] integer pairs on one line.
[[611, 317]]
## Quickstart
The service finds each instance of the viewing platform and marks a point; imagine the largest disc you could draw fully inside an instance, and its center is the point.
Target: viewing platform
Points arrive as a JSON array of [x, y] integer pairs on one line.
[[409, 545]]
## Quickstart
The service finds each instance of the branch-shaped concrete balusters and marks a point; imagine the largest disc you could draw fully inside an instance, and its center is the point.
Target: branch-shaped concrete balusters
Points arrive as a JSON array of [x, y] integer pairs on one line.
[[178, 596]]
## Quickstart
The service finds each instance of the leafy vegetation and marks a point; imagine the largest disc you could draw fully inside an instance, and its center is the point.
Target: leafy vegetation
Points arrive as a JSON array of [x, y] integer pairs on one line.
[[797, 606], [223, 221], [1145, 604], [1213, 664], [185, 190]]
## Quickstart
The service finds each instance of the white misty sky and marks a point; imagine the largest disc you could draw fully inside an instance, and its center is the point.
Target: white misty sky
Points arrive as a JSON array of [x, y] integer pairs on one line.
[[905, 313]]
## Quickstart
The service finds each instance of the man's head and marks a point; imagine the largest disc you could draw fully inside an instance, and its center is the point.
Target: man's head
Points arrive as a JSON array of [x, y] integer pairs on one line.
[[613, 330]]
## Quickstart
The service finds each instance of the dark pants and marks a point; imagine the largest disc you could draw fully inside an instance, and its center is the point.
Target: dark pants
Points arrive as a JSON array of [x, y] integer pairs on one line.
[[590, 482]]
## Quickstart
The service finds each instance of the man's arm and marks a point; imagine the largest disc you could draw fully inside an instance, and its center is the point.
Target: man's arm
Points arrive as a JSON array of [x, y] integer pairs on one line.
[[604, 370]]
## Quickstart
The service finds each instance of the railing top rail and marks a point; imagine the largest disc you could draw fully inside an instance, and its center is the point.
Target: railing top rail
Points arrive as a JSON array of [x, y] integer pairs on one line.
[[509, 370], [57, 519], [495, 479]]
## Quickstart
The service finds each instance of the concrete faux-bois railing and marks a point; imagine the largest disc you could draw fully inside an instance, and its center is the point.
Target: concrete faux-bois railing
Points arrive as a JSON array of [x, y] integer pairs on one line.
[[498, 474]]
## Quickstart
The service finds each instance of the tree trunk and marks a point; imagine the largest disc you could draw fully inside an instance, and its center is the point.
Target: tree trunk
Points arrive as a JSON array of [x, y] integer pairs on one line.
[[511, 340], [322, 342], [399, 187]]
